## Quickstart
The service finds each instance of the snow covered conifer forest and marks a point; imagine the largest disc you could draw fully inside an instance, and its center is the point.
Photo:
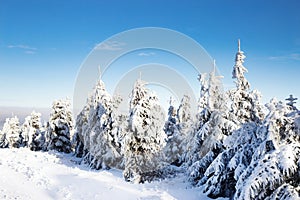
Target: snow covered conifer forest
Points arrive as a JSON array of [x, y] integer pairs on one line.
[[234, 147]]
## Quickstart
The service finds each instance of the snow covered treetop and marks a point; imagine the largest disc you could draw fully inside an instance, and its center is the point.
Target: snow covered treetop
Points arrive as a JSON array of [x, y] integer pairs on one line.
[[239, 70], [291, 101], [139, 91]]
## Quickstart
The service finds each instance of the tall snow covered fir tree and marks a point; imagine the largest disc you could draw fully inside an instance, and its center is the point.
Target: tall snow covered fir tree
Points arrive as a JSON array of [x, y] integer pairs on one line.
[[145, 139], [105, 149], [245, 105], [98, 129], [60, 127], [214, 129], [11, 135], [259, 160]]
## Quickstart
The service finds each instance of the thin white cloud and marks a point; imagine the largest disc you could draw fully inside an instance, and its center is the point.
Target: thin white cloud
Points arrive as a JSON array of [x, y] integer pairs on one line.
[[146, 54], [20, 46], [29, 52], [110, 46], [293, 56]]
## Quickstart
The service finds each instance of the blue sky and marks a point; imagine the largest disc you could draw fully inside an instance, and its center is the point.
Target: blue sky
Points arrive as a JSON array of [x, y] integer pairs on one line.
[[43, 42]]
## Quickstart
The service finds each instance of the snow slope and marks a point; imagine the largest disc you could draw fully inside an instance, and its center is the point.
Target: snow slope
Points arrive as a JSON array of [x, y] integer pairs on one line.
[[25, 174]]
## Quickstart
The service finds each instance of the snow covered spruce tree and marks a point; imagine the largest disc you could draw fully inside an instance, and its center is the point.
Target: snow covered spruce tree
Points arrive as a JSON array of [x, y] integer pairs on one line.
[[245, 105], [80, 139], [202, 117], [171, 124], [256, 161], [218, 171], [209, 139], [145, 139], [173, 149], [273, 170], [60, 127], [11, 135], [291, 101], [32, 130], [104, 148]]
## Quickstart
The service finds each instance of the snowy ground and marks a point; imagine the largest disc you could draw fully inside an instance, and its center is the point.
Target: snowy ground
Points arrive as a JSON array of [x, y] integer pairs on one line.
[[41, 175]]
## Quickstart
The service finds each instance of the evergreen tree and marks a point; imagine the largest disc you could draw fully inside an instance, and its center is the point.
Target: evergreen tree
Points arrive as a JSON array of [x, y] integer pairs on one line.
[[171, 124], [33, 132], [105, 148], [173, 149], [81, 127], [145, 138], [209, 140], [185, 128], [11, 134], [202, 117], [273, 170], [220, 163], [245, 105], [98, 130], [291, 101], [60, 127]]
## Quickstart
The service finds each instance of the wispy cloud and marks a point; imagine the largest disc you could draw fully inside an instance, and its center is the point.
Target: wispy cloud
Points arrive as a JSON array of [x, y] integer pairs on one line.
[[111, 46], [20, 46], [29, 52], [293, 56], [146, 54]]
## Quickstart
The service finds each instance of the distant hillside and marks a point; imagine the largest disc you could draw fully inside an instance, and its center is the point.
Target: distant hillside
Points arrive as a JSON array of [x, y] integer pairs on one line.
[[21, 113]]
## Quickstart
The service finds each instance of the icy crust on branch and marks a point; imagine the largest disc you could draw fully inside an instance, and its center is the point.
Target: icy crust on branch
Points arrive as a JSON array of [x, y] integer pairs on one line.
[[145, 139], [97, 130], [60, 127], [11, 136]]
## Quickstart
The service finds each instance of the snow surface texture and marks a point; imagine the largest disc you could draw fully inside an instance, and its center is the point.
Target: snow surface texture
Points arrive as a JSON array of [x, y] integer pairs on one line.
[[27, 174]]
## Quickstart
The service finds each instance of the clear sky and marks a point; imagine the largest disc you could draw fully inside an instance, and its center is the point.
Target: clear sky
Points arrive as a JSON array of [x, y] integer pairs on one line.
[[44, 42]]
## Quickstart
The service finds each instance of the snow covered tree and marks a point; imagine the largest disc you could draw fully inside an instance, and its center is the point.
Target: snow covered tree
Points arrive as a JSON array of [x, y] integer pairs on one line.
[[145, 139], [185, 127], [291, 101], [11, 134], [60, 127], [209, 139], [273, 172], [105, 148], [171, 124], [245, 105], [202, 117], [98, 130], [203, 109], [173, 149], [81, 128], [33, 132], [258, 162]]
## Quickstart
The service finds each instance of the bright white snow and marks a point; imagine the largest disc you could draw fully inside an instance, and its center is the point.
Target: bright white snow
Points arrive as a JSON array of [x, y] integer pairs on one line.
[[49, 175]]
